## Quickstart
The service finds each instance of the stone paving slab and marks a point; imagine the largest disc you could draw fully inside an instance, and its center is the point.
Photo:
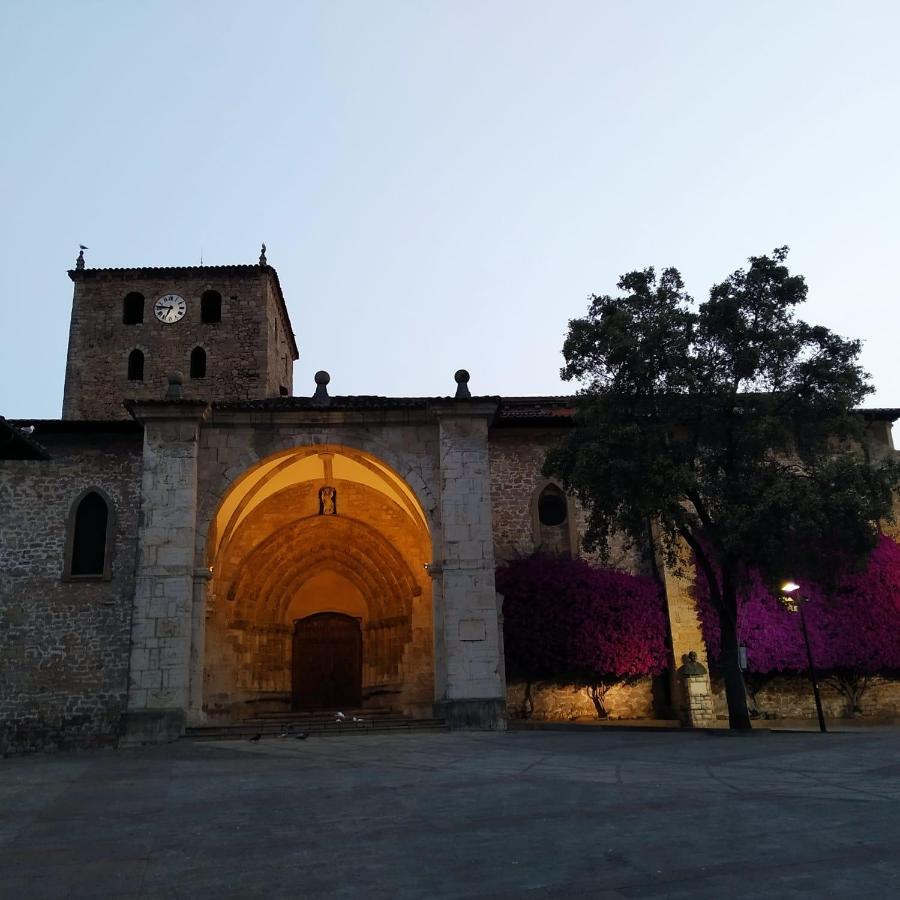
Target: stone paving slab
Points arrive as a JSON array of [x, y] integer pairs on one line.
[[542, 814]]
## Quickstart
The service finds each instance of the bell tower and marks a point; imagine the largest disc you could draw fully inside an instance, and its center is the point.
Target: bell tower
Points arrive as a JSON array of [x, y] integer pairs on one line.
[[224, 328]]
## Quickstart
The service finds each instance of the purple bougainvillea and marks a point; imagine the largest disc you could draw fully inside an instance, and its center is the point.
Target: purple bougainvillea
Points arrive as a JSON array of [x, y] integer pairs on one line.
[[563, 617], [854, 626]]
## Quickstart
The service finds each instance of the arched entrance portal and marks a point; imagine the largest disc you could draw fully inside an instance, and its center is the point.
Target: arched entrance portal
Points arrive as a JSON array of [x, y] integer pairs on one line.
[[319, 595]]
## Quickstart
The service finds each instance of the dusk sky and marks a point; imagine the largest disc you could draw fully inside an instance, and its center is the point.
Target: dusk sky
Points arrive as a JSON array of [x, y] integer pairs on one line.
[[442, 185]]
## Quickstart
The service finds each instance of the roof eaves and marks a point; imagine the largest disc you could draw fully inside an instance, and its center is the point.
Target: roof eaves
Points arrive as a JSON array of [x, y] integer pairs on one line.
[[17, 444], [192, 272]]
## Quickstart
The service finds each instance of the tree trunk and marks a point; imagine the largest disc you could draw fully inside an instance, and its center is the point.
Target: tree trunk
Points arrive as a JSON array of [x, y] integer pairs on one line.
[[724, 600], [597, 692], [735, 692], [527, 701]]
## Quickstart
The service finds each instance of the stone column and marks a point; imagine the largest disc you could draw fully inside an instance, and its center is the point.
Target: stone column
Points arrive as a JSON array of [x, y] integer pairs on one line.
[[684, 627], [469, 672], [198, 635], [162, 622]]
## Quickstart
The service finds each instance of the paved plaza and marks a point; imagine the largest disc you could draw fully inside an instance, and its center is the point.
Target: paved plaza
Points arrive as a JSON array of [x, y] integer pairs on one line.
[[602, 814]]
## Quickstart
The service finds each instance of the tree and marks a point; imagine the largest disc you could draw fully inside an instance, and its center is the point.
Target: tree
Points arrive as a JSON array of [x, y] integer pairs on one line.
[[729, 426], [565, 618], [854, 624]]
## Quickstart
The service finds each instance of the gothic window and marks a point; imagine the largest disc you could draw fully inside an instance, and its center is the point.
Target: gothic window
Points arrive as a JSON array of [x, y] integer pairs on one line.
[[136, 366], [88, 543], [552, 529], [133, 308], [198, 363], [552, 507], [211, 307]]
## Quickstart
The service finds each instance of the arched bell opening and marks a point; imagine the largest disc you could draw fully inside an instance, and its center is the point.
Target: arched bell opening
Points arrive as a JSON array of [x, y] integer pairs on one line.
[[318, 534]]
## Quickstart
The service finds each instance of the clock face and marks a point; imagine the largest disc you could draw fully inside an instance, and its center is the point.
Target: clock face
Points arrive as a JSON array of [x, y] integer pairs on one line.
[[170, 308]]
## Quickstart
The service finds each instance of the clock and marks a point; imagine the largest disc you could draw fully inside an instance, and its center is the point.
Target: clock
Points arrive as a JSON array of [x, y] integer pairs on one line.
[[170, 308]]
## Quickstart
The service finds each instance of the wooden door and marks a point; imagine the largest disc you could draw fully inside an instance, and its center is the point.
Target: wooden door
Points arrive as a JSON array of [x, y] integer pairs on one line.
[[327, 662]]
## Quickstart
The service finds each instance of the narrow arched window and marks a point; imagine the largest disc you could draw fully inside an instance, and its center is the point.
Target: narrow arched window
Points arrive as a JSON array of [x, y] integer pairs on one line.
[[89, 534], [198, 363], [211, 307], [552, 506], [136, 366], [552, 531], [133, 308]]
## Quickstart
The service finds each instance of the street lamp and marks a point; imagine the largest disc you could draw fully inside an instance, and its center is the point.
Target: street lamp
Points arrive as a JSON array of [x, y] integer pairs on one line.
[[795, 604]]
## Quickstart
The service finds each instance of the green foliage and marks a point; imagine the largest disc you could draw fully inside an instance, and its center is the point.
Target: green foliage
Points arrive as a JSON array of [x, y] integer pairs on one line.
[[729, 425], [733, 420]]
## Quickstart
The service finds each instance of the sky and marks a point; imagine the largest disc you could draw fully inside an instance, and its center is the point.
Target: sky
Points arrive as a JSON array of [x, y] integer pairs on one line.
[[443, 185]]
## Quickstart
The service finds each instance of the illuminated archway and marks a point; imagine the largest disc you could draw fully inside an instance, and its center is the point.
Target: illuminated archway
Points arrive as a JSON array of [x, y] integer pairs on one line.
[[323, 529]]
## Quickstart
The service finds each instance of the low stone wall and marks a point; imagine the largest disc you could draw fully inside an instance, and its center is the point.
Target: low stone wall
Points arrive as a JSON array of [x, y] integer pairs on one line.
[[562, 702], [791, 697]]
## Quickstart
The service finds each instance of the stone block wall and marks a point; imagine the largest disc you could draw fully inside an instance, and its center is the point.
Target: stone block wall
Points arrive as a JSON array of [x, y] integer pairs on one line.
[[64, 644], [551, 701], [791, 697], [249, 354], [279, 357], [516, 460]]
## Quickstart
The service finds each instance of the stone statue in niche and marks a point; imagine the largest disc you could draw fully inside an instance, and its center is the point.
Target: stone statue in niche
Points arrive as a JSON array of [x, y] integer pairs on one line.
[[327, 501]]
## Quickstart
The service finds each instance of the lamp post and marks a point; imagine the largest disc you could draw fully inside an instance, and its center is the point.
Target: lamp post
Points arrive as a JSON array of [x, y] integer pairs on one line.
[[795, 604]]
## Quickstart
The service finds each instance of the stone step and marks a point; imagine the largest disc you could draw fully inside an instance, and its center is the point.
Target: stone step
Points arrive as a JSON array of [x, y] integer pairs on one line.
[[309, 714], [268, 731]]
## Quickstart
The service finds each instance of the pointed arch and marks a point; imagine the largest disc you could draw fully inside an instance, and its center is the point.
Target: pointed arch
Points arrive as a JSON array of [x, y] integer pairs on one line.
[[552, 520], [136, 365], [198, 363]]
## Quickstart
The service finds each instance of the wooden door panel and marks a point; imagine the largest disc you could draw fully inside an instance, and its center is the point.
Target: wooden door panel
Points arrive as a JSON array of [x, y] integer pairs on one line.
[[327, 662]]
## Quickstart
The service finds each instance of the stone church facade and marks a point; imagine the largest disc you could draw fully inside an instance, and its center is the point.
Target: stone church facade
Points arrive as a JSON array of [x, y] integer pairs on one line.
[[191, 543]]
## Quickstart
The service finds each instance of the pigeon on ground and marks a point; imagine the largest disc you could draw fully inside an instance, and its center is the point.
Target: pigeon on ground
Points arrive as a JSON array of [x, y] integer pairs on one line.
[[283, 734], [358, 719], [255, 737], [339, 717], [28, 429], [302, 736]]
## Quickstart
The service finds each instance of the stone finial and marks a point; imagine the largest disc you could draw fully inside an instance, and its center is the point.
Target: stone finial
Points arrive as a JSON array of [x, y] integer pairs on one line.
[[321, 395], [692, 665], [462, 384], [262, 255], [175, 391], [79, 263]]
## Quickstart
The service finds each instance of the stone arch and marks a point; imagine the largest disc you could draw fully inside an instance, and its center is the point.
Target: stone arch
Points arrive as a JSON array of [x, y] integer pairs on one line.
[[268, 537], [561, 538], [108, 537], [250, 460], [361, 550]]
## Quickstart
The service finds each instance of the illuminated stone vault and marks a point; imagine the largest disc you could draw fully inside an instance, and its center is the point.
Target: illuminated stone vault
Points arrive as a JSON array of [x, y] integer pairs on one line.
[[316, 530]]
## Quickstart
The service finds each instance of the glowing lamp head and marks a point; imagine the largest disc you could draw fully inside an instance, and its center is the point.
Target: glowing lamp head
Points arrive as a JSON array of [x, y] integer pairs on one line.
[[789, 587]]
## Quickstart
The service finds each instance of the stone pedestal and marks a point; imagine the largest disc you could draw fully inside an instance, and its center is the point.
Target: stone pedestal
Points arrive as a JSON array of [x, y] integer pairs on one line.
[[469, 673], [164, 599], [697, 692]]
